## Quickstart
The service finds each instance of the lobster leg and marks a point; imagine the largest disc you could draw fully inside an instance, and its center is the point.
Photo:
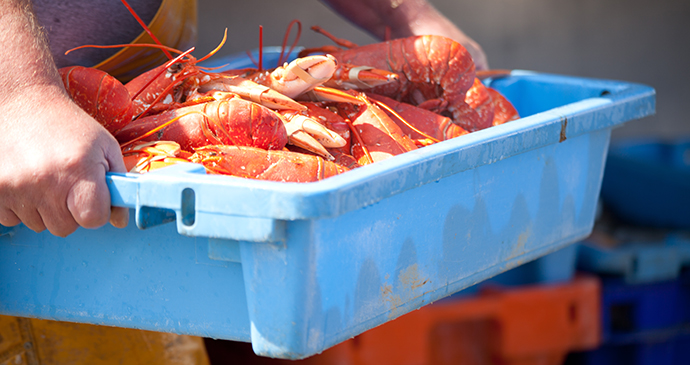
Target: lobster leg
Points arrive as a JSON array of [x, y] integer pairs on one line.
[[348, 76]]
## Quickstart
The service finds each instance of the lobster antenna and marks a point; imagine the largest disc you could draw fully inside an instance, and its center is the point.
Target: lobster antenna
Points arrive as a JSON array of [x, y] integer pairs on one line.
[[387, 34], [358, 137], [339, 41], [222, 43], [148, 45], [146, 28], [499, 73], [162, 70], [251, 58], [261, 47], [154, 130], [283, 57]]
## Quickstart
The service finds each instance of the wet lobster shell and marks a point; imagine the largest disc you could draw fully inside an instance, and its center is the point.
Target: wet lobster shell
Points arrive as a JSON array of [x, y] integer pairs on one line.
[[100, 95], [256, 163], [504, 111], [432, 69], [379, 138], [232, 122], [434, 125], [479, 99]]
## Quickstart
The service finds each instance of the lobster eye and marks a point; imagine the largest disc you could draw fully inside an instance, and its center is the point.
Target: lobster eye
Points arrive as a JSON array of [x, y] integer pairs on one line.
[[175, 68]]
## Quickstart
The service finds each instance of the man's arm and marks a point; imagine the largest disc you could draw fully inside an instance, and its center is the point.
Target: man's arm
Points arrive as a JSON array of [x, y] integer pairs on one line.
[[53, 156], [405, 18]]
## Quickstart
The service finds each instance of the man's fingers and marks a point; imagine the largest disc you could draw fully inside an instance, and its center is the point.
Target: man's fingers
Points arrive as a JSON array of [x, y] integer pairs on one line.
[[31, 218], [89, 201], [58, 220], [8, 218], [119, 216]]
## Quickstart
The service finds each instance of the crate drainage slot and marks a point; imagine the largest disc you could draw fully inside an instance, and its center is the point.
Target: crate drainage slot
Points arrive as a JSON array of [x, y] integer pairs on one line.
[[188, 207]]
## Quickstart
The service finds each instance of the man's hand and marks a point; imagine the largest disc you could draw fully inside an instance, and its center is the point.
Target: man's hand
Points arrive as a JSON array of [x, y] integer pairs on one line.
[[404, 19], [53, 156], [53, 160]]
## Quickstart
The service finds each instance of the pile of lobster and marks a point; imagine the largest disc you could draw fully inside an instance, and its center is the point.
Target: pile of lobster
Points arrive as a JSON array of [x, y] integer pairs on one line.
[[315, 117]]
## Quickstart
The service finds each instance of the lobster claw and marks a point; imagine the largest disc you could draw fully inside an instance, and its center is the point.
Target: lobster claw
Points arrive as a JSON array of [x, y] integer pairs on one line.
[[252, 91], [302, 74], [306, 133], [146, 156], [348, 76]]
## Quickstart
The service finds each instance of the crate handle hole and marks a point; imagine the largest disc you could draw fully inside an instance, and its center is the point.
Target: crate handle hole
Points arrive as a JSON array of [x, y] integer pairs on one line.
[[605, 92], [188, 207], [572, 312]]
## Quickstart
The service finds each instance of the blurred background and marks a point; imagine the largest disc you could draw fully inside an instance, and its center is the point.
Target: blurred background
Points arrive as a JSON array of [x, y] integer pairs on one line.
[[628, 40]]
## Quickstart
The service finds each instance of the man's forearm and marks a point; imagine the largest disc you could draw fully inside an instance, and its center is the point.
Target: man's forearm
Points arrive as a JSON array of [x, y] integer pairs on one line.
[[404, 18], [26, 61], [375, 16]]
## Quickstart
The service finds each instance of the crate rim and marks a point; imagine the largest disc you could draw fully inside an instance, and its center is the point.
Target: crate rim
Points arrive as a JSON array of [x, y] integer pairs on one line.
[[551, 126]]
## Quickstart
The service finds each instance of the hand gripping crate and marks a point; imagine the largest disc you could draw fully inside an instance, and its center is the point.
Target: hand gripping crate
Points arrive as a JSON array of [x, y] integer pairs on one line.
[[298, 268]]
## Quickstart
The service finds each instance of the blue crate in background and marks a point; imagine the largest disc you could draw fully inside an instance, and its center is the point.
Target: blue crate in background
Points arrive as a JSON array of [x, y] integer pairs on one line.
[[666, 350], [638, 262], [632, 309], [643, 323], [298, 268], [647, 182]]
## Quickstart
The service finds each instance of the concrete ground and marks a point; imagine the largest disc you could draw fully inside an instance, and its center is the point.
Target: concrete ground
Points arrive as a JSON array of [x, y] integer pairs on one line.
[[629, 40]]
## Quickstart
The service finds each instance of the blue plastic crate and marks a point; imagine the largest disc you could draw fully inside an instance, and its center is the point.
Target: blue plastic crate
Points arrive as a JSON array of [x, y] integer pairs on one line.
[[630, 311], [556, 267], [654, 350], [638, 262], [643, 323], [297, 268], [647, 182]]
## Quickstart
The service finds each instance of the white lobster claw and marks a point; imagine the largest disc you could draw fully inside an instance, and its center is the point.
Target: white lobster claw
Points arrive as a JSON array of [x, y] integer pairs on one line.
[[252, 91], [306, 133], [302, 74]]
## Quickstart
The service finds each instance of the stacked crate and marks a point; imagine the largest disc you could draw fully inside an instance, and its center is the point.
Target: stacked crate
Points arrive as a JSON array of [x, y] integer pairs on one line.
[[642, 253], [645, 302]]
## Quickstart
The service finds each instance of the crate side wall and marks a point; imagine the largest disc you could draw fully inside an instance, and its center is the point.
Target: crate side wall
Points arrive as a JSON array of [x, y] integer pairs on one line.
[[370, 266], [150, 279]]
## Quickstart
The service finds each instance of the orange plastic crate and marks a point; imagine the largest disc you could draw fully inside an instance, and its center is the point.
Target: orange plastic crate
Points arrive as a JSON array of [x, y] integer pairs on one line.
[[536, 324]]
